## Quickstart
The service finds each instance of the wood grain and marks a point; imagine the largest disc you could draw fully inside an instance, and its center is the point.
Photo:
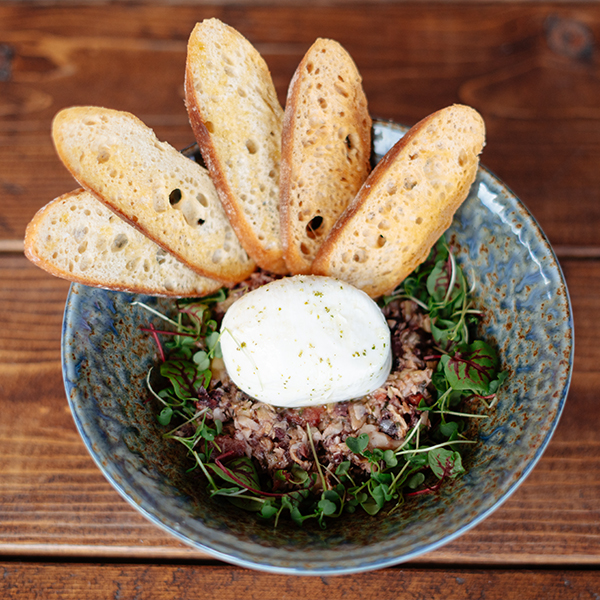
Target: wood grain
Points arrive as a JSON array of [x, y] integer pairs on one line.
[[531, 69], [55, 502], [169, 582]]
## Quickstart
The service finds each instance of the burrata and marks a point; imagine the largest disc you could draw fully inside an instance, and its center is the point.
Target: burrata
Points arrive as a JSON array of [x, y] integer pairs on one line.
[[304, 341]]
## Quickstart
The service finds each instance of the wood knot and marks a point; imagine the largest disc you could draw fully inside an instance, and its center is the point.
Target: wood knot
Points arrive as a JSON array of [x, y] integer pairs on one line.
[[6, 55], [570, 38]]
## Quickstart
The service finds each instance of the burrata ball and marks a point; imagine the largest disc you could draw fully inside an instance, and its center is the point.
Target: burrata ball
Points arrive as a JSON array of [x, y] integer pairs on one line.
[[305, 341]]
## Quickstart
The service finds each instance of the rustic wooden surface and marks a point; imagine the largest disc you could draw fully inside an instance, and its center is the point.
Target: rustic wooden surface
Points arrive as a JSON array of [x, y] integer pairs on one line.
[[531, 69]]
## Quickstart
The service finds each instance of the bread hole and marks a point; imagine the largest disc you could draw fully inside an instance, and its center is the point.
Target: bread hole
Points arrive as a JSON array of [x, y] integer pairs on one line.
[[103, 155], [319, 86], [146, 266], [132, 264], [251, 146], [261, 237], [200, 221], [272, 174], [342, 113], [134, 219], [391, 188], [241, 92], [202, 199], [175, 197], [360, 256], [462, 158], [384, 225], [314, 228], [341, 90], [113, 173], [119, 242], [217, 256], [209, 126], [309, 67], [87, 212], [73, 208], [304, 249], [82, 247], [161, 256], [381, 241], [322, 103], [90, 122], [409, 183], [413, 156], [229, 71], [419, 220]]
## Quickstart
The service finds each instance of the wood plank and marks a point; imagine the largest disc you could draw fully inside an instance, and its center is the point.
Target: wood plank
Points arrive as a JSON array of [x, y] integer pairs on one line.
[[55, 502], [165, 582], [536, 89]]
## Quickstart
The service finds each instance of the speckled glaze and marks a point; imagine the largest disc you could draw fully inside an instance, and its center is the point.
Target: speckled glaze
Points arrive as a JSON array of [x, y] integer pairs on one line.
[[519, 285]]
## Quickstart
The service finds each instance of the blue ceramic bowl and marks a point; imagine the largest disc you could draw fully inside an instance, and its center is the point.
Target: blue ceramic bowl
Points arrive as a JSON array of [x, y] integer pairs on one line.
[[519, 285]]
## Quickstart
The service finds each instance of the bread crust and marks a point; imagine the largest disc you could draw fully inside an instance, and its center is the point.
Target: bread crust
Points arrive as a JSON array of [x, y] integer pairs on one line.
[[242, 152], [326, 147], [75, 237], [406, 203]]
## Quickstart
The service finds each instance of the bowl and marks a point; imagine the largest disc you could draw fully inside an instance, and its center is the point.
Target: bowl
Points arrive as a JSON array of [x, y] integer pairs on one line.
[[519, 285]]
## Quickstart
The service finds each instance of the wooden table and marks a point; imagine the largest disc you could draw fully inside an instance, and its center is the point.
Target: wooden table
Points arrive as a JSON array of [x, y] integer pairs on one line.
[[532, 70]]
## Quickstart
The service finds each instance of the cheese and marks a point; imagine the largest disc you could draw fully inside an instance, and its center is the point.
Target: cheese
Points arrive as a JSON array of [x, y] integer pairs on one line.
[[305, 341]]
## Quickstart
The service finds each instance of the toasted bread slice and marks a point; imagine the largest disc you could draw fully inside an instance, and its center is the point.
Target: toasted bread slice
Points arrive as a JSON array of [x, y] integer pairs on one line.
[[326, 149], [406, 203], [236, 118], [168, 197], [77, 238]]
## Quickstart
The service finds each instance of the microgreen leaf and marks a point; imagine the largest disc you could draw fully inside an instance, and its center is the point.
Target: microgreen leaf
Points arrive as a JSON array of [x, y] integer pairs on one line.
[[239, 471], [327, 507], [358, 444], [184, 376], [164, 417], [445, 463], [202, 360], [416, 480], [472, 367], [343, 468], [268, 510], [390, 458], [212, 341], [381, 494]]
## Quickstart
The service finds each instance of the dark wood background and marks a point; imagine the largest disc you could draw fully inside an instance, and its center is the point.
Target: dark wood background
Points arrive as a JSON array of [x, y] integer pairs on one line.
[[530, 68]]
